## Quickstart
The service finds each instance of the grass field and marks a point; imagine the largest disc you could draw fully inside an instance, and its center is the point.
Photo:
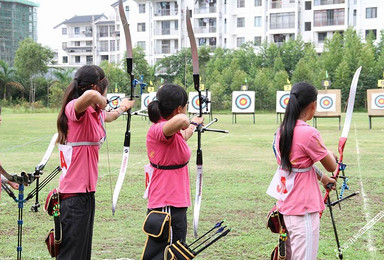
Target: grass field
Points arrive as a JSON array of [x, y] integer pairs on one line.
[[237, 170]]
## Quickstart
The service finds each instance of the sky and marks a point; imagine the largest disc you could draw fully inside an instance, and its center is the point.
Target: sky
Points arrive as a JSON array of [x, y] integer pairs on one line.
[[53, 12]]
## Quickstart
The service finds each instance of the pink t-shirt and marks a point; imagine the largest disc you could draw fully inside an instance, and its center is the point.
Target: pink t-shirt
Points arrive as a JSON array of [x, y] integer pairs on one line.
[[168, 187], [82, 174], [307, 148]]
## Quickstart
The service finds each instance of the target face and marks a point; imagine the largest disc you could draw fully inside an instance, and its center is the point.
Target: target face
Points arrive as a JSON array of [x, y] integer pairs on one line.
[[326, 103], [114, 100], [282, 98], [377, 101], [194, 102], [243, 101], [147, 98]]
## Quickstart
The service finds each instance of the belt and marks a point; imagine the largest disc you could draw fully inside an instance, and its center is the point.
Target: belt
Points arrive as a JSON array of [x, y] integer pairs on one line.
[[168, 167]]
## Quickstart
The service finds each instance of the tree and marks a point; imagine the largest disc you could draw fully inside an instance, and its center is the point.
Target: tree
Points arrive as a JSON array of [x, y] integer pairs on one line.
[[332, 54], [57, 86], [7, 78], [291, 52], [32, 59]]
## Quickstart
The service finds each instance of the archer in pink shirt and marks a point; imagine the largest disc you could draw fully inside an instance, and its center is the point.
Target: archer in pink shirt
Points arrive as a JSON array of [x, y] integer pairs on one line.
[[295, 184]]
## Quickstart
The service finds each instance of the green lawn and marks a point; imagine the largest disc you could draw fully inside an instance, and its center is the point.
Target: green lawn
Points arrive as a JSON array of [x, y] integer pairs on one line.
[[237, 170]]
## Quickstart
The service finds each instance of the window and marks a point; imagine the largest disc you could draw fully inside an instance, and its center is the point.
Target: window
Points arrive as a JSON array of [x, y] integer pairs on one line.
[[141, 8], [77, 59], [368, 32], [240, 3], [127, 12], [257, 41], [88, 43], [257, 21], [241, 22], [282, 20], [176, 25], [371, 12], [321, 37], [64, 45], [103, 46], [141, 44], [111, 30], [166, 46], [308, 5], [112, 46], [240, 41], [257, 2], [141, 27], [77, 43], [329, 17], [89, 60], [65, 59], [307, 26], [103, 31], [64, 31], [77, 30]]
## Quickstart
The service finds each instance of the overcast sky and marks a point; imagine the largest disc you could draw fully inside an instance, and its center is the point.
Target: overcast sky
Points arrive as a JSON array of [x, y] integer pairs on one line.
[[53, 12]]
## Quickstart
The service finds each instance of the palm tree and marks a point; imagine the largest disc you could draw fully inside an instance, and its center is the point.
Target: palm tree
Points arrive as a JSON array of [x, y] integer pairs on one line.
[[7, 76]]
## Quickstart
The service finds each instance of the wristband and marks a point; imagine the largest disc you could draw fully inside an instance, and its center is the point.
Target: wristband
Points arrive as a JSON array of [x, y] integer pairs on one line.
[[194, 123], [126, 108]]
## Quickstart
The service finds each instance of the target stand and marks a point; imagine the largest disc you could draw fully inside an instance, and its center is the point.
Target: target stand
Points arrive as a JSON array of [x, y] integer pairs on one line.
[[328, 105], [243, 102], [375, 104]]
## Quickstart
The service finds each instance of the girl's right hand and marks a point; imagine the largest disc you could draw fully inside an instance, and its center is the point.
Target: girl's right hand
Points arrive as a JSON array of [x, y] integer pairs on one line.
[[327, 180]]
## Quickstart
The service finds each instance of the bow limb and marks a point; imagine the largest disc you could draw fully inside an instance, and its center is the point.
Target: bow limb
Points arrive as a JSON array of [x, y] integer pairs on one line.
[[199, 157], [346, 127], [127, 137]]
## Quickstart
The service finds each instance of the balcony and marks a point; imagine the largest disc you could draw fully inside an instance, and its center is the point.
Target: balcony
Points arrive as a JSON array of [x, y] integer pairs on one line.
[[205, 10], [328, 2], [204, 29], [166, 31], [281, 4], [328, 22], [78, 49], [165, 12]]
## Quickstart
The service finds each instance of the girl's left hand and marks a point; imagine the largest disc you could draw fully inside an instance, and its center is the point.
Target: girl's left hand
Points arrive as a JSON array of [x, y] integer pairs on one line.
[[126, 104]]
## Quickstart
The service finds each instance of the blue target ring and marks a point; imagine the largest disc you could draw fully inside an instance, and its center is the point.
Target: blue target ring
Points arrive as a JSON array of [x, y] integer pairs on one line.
[[243, 101], [114, 102], [284, 99], [146, 101], [326, 102], [196, 103], [379, 101]]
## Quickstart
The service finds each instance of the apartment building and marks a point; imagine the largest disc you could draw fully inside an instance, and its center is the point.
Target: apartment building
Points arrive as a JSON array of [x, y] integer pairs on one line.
[[18, 20], [159, 27]]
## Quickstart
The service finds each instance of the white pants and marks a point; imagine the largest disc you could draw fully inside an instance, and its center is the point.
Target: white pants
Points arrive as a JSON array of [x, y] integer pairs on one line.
[[303, 236]]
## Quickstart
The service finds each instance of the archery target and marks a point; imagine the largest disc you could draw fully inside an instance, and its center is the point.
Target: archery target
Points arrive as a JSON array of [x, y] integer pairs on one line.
[[326, 103], [194, 102], [282, 98], [115, 99], [147, 98], [243, 101], [377, 101]]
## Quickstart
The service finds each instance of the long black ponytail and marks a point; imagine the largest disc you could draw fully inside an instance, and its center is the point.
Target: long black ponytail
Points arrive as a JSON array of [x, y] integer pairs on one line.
[[302, 94]]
